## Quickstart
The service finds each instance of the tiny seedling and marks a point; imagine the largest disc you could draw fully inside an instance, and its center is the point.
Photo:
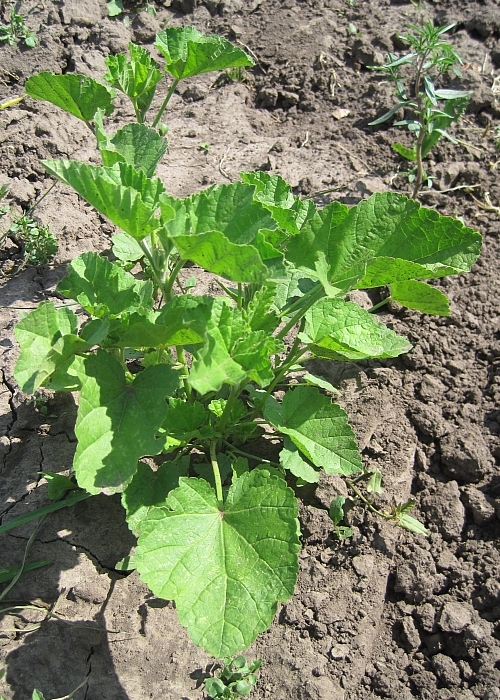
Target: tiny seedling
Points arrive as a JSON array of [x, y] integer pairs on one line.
[[431, 109], [16, 30], [200, 382], [38, 242], [236, 679]]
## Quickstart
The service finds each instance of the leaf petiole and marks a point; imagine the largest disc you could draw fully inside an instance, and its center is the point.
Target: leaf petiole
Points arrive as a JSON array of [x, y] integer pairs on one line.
[[165, 102], [217, 479]]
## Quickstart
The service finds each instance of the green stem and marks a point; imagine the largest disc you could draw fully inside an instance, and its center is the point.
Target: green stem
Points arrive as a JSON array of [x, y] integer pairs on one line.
[[380, 304], [240, 296], [217, 479], [420, 167], [226, 414], [181, 358], [301, 312], [165, 102], [367, 503], [250, 456], [160, 283], [173, 276], [300, 302], [32, 208]]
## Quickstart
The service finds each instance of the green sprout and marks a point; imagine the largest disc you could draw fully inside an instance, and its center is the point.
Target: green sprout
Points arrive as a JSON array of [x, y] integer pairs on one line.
[[431, 109], [234, 680], [16, 30]]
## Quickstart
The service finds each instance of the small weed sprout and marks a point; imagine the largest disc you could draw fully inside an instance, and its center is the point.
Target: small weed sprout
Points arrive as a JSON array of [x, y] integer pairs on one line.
[[16, 30], [38, 242], [432, 109], [234, 680]]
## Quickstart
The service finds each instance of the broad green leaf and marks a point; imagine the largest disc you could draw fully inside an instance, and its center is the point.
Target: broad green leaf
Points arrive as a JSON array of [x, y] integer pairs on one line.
[[232, 352], [226, 569], [289, 211], [137, 77], [184, 421], [182, 321], [259, 313], [118, 421], [216, 254], [340, 330], [420, 296], [386, 225], [187, 52], [136, 144], [374, 483], [291, 459], [293, 286], [126, 248], [384, 271], [150, 488], [37, 695], [36, 333], [59, 357], [58, 485], [225, 231], [408, 522], [103, 288], [115, 8], [125, 196], [68, 376], [320, 382], [79, 95], [318, 427]]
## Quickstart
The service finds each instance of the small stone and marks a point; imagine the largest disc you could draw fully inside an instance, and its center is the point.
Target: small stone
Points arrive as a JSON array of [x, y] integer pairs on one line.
[[445, 509], [482, 506], [465, 454], [195, 93], [363, 564], [446, 670], [455, 617], [338, 652], [145, 28], [267, 97], [288, 98], [426, 615], [409, 634]]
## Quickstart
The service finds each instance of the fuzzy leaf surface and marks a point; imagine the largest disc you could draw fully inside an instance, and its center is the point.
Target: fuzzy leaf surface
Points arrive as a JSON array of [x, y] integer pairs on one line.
[[318, 427], [118, 421], [226, 569], [386, 225], [103, 288], [232, 352], [420, 296], [188, 52], [36, 333], [125, 196], [137, 76], [340, 330], [150, 488], [78, 95], [136, 144]]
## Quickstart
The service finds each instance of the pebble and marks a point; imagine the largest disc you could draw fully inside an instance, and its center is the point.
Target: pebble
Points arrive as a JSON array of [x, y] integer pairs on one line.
[[455, 617]]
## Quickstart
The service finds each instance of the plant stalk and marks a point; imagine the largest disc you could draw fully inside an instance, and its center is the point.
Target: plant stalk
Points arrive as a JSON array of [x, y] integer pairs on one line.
[[217, 479], [302, 311], [165, 102]]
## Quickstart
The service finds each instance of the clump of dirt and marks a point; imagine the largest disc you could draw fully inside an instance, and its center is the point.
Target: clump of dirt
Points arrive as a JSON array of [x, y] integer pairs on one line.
[[384, 613]]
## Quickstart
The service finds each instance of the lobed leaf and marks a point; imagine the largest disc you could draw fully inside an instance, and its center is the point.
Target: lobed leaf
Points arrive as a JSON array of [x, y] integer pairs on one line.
[[124, 195], [118, 421], [420, 296], [136, 144], [318, 427], [78, 95], [188, 52], [103, 288], [226, 567], [36, 334], [340, 330], [137, 76]]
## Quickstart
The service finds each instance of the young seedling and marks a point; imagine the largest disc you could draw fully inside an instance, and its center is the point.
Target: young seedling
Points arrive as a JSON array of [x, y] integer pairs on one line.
[[16, 30], [236, 679], [196, 381], [417, 78]]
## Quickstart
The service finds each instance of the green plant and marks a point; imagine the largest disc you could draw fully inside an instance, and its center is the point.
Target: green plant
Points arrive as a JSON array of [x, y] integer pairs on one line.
[[196, 382], [433, 109], [234, 680], [38, 243], [17, 30]]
